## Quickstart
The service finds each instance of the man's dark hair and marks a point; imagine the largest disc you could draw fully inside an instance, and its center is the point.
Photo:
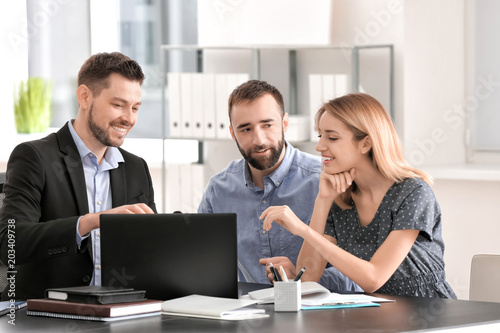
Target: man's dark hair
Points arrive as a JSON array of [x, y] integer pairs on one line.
[[251, 90], [97, 69]]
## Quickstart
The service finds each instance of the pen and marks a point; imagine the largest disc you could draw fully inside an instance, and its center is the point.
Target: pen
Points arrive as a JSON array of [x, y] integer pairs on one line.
[[275, 272], [283, 274], [297, 278]]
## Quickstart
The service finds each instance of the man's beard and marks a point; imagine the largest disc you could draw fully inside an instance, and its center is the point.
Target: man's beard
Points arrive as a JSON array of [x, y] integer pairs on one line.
[[102, 135], [263, 163]]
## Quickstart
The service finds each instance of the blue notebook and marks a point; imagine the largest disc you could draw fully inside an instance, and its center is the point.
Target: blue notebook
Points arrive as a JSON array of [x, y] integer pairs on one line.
[[339, 306]]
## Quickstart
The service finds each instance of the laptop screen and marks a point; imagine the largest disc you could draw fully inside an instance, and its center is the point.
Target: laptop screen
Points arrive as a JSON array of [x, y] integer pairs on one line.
[[170, 255]]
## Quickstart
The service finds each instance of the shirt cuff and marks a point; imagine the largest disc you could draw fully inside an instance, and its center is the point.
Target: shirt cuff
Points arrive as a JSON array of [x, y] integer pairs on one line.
[[79, 238]]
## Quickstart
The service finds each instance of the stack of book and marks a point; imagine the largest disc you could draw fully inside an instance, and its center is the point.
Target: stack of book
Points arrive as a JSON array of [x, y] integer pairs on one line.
[[94, 303]]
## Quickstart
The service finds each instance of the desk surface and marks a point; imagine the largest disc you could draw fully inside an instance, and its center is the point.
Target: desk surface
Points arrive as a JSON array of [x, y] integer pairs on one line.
[[406, 314]]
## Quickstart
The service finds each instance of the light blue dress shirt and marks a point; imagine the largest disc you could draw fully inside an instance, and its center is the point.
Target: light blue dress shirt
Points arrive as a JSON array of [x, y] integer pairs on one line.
[[294, 183], [98, 192]]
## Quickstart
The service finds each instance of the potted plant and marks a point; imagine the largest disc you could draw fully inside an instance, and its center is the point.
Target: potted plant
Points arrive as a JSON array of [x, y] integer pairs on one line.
[[32, 102]]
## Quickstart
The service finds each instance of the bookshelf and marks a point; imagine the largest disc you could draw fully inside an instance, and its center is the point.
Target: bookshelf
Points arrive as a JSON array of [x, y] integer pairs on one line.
[[288, 67]]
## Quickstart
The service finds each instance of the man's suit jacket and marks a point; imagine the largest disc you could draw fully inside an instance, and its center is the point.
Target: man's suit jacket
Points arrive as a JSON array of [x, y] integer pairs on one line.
[[45, 195]]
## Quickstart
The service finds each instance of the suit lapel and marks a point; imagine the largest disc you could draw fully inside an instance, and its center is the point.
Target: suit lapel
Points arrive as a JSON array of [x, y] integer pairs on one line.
[[74, 168], [118, 185]]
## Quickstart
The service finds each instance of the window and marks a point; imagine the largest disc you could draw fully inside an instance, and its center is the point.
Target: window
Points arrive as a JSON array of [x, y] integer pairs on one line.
[[482, 100]]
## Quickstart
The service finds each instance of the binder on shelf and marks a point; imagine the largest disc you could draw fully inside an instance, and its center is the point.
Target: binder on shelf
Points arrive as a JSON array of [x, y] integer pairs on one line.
[[242, 78], [174, 104], [315, 101], [221, 112], [173, 200], [233, 80], [322, 88], [198, 185], [186, 189], [328, 81], [224, 86], [341, 84], [298, 128], [197, 106], [186, 80], [208, 97]]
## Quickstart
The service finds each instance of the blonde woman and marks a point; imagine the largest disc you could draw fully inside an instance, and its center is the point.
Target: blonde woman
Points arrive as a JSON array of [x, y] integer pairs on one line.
[[375, 217]]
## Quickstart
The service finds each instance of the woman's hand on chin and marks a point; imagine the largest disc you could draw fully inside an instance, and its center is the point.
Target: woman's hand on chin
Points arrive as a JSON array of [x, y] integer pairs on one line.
[[333, 185]]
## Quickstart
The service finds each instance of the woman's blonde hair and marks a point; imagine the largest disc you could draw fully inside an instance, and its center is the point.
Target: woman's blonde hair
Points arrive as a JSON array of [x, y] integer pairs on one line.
[[365, 116]]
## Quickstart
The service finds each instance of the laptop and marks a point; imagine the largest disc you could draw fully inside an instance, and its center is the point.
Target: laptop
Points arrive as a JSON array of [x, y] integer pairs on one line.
[[170, 255]]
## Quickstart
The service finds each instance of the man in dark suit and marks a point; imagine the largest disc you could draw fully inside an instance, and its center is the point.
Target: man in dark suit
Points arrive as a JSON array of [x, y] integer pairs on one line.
[[57, 187]]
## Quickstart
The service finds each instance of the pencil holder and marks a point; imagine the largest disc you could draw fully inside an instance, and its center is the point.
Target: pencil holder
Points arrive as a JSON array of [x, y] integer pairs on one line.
[[287, 296]]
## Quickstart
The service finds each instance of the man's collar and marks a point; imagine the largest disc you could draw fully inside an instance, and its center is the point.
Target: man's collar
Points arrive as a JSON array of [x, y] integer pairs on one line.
[[112, 155]]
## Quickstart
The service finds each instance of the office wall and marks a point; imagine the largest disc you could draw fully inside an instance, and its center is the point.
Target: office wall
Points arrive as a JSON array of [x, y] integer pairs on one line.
[[434, 81], [471, 225]]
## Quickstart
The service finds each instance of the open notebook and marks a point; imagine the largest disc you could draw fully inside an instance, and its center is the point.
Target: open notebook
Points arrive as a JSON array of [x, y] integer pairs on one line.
[[314, 294]]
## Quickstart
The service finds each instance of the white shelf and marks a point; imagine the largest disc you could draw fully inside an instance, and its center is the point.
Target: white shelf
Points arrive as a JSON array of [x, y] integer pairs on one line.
[[475, 172], [188, 47]]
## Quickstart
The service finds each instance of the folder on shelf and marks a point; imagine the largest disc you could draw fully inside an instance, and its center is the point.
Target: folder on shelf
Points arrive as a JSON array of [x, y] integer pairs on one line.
[[197, 106], [322, 88], [198, 185], [186, 188], [174, 104], [186, 80], [233, 80], [242, 78], [173, 199], [221, 111], [315, 102], [328, 81], [208, 97], [341, 84], [298, 128], [224, 86]]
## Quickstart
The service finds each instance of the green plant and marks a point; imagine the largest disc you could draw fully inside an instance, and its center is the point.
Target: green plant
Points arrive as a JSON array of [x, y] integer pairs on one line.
[[32, 102]]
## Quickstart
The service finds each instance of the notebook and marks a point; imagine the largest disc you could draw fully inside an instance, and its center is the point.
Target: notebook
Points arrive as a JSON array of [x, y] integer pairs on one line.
[[170, 255]]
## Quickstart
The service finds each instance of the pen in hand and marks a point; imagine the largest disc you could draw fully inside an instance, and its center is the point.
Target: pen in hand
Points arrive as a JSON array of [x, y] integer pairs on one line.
[[274, 271], [297, 278]]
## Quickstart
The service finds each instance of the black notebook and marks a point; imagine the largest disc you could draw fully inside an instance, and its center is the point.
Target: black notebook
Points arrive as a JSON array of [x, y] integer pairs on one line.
[[95, 294]]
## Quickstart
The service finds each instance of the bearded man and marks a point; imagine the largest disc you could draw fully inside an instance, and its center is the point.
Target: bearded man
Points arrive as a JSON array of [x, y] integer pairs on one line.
[[57, 186], [271, 173]]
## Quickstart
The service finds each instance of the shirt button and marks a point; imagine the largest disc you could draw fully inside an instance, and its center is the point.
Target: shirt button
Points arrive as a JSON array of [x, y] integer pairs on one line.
[[99, 267], [91, 155], [278, 183], [264, 201], [263, 232], [99, 202]]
